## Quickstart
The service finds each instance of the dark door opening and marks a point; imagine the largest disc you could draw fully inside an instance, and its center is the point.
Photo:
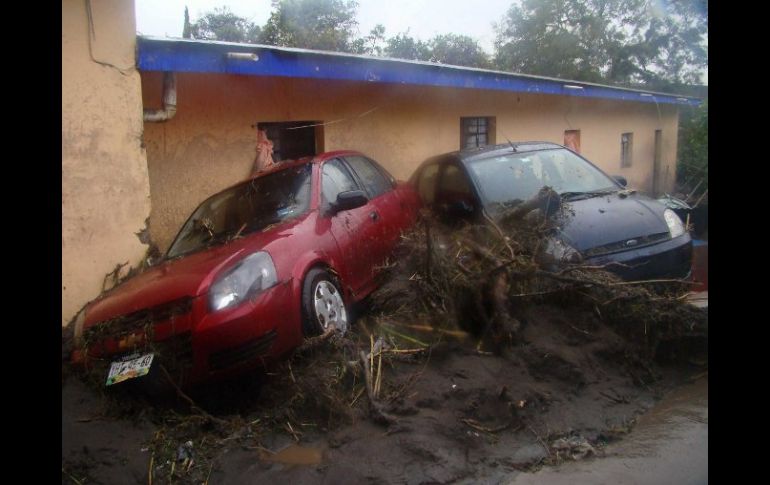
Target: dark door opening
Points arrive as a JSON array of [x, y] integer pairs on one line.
[[294, 139]]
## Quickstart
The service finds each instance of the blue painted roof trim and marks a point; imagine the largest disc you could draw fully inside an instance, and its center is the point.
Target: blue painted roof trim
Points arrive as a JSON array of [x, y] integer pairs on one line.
[[183, 55]]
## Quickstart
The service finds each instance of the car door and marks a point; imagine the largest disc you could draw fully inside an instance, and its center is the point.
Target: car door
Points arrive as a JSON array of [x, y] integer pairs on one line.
[[386, 213], [352, 229]]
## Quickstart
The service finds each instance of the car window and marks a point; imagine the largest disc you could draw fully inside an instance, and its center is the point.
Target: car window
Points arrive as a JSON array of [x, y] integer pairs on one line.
[[454, 182], [373, 179], [455, 200], [426, 185], [334, 180]]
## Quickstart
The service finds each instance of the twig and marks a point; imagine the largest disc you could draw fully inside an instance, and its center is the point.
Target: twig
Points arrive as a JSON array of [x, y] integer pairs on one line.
[[478, 427], [595, 267], [640, 282], [378, 381], [501, 233], [211, 465], [357, 396], [428, 328], [149, 470], [377, 413], [371, 356], [291, 430], [547, 449], [618, 400], [187, 398], [579, 329], [405, 351], [316, 341], [73, 478], [700, 198]]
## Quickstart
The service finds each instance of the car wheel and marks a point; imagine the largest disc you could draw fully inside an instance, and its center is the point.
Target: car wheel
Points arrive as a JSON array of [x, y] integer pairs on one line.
[[322, 304]]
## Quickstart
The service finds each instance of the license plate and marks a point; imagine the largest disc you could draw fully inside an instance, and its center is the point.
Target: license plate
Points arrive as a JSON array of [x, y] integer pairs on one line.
[[129, 368]]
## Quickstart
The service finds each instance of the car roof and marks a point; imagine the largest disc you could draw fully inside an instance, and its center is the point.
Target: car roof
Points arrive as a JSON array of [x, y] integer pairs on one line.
[[479, 153], [286, 164]]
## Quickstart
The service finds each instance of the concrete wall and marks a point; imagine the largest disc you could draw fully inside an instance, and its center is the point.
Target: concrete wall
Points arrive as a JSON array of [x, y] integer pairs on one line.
[[105, 183], [210, 143]]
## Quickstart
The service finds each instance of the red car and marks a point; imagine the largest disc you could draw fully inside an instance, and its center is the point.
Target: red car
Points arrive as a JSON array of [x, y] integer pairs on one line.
[[254, 270]]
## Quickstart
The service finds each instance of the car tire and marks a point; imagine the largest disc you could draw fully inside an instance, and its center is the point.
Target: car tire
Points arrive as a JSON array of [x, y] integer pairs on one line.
[[322, 303]]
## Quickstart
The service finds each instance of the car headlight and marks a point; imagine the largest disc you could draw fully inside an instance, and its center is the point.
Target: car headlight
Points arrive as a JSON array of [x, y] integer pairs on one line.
[[254, 274], [675, 226]]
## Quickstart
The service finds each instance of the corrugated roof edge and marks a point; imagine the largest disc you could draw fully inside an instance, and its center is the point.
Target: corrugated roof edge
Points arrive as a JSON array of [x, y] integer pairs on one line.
[[186, 55]]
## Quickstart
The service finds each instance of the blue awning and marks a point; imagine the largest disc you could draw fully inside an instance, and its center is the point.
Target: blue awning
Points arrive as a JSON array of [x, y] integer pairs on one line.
[[185, 55]]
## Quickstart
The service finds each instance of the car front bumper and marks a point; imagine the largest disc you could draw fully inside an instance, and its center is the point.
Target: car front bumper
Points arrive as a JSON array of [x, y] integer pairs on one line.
[[200, 345], [668, 259]]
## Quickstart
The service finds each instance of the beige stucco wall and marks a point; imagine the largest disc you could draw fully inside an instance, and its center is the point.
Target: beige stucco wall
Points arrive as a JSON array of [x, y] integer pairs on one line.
[[105, 183], [210, 143]]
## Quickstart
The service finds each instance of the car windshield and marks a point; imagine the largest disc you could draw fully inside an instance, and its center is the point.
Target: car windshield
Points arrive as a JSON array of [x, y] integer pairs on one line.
[[505, 179], [246, 208]]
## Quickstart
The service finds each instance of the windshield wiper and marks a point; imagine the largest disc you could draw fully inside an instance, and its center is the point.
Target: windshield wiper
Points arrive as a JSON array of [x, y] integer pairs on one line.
[[586, 195]]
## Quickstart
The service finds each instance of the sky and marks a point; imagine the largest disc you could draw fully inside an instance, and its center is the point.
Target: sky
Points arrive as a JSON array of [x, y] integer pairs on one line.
[[422, 18]]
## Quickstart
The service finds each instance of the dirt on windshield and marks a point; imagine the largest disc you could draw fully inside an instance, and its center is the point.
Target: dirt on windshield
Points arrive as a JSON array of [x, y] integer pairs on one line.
[[469, 364]]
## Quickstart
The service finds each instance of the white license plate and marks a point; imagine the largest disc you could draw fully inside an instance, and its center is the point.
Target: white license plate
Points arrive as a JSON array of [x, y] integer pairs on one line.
[[129, 368]]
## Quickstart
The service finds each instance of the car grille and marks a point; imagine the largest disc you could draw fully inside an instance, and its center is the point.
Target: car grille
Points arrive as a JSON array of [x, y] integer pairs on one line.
[[128, 324], [176, 354], [623, 245], [242, 353]]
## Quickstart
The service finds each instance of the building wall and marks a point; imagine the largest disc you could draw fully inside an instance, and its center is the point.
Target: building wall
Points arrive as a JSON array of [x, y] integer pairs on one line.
[[105, 182], [210, 143]]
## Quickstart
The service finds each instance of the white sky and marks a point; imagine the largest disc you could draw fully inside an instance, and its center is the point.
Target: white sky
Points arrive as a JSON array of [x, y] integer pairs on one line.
[[423, 18]]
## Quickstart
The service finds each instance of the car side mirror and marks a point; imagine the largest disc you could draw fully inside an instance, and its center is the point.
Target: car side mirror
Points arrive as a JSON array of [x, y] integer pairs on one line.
[[621, 180], [350, 200]]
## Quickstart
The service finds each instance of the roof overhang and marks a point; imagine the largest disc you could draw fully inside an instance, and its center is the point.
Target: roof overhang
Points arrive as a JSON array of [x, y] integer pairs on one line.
[[184, 55]]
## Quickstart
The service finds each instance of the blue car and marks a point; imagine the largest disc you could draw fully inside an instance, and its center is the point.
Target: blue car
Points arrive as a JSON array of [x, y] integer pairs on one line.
[[607, 224]]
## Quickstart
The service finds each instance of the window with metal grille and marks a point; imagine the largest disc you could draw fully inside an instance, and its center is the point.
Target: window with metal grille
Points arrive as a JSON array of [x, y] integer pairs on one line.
[[477, 132], [626, 145]]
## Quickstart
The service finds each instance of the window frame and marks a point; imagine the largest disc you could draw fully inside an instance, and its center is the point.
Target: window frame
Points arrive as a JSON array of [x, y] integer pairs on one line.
[[491, 128], [626, 149]]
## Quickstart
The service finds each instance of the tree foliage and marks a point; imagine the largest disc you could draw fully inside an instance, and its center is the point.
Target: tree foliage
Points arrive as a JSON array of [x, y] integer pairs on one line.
[[693, 165], [187, 28], [403, 46], [660, 44], [222, 24], [617, 41], [459, 50], [373, 44], [312, 24]]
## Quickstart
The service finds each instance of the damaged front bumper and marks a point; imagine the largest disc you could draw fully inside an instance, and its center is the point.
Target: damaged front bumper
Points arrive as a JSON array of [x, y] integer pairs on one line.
[[668, 259]]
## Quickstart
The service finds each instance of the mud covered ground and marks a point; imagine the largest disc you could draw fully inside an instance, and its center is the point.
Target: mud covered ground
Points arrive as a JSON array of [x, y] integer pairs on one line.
[[478, 358], [458, 414]]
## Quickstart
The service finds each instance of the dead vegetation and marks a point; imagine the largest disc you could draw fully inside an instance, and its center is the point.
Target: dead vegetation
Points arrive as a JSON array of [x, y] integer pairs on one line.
[[572, 350]]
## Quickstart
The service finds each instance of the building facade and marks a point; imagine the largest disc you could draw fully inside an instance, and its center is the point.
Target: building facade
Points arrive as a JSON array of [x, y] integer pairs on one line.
[[118, 171]]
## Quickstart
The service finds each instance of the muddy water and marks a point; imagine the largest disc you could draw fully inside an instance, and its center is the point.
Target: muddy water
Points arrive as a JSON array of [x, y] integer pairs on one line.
[[668, 445], [295, 455]]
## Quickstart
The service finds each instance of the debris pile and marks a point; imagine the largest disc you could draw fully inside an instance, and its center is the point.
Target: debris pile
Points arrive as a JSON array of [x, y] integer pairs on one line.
[[485, 350]]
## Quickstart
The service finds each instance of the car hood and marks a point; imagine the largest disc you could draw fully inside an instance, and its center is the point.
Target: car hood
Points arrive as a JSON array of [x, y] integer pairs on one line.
[[187, 276], [612, 218]]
